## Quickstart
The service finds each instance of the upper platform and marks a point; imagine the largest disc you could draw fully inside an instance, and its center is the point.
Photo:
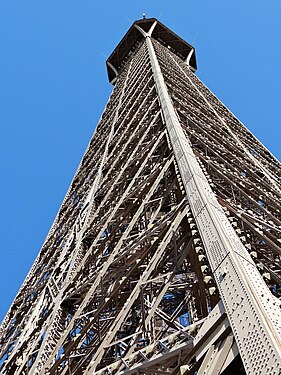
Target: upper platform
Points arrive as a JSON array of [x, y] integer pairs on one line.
[[161, 33]]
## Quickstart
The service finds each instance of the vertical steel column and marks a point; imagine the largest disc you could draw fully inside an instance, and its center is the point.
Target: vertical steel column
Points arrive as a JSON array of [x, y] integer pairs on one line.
[[254, 313]]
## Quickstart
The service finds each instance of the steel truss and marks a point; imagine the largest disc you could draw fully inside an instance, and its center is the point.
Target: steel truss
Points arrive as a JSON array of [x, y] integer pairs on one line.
[[164, 257]]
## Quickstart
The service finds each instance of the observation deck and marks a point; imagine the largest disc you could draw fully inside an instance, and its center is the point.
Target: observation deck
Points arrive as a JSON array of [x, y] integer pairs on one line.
[[161, 33]]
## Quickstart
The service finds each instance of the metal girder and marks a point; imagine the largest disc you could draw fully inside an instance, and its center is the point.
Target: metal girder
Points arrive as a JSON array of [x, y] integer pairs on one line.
[[165, 254], [253, 312]]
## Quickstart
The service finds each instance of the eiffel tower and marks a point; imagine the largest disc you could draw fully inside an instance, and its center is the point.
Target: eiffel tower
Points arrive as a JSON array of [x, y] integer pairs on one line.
[[164, 257]]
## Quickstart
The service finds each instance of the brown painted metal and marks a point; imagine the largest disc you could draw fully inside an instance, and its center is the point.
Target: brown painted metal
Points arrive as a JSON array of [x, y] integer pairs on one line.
[[123, 282]]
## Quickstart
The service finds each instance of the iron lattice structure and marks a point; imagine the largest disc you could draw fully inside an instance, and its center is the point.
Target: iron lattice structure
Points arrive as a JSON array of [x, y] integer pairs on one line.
[[164, 257]]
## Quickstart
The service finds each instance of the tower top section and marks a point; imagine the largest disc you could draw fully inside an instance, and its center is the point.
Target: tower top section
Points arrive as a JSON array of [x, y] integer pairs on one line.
[[161, 33]]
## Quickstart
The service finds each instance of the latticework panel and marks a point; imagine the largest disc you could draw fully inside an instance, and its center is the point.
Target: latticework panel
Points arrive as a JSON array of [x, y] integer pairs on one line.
[[173, 203], [241, 171]]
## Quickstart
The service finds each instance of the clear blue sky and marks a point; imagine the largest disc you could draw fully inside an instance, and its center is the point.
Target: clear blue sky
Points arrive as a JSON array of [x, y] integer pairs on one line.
[[53, 87]]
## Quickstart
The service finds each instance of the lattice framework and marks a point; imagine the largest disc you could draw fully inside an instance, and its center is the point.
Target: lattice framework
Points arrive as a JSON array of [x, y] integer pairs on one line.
[[165, 254]]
